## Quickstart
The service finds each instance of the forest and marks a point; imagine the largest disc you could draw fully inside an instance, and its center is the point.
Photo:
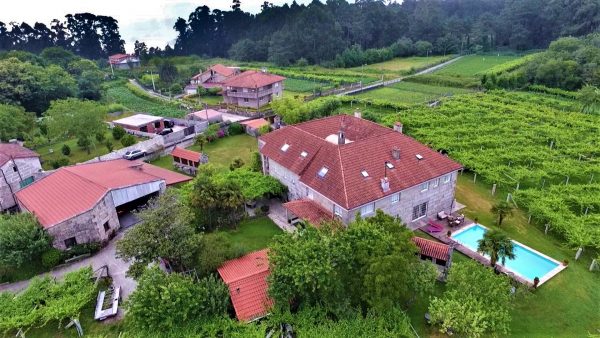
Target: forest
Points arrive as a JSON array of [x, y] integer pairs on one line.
[[334, 32]]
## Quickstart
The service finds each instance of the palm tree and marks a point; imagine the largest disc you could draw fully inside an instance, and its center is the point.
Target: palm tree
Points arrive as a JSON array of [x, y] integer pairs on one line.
[[502, 209], [496, 245]]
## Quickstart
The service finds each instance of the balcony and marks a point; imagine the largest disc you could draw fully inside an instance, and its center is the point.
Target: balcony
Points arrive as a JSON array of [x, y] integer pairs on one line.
[[249, 95]]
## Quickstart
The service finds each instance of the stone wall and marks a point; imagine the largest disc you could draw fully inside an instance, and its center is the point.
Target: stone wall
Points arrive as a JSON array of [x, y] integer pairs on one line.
[[87, 227], [25, 168]]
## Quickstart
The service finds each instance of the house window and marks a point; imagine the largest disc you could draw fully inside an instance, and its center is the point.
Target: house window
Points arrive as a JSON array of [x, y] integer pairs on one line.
[[447, 178], [323, 172], [15, 169], [70, 242], [367, 209], [246, 100], [285, 147], [436, 182], [337, 210], [304, 154], [276, 84], [106, 227], [419, 211], [389, 165], [26, 182], [424, 186], [157, 124], [396, 198], [364, 174]]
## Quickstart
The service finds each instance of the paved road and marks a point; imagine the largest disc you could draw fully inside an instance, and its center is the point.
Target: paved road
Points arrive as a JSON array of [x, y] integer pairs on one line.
[[116, 268]]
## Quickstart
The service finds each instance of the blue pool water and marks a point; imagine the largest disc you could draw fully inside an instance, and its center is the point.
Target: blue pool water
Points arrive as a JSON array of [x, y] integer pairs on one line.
[[527, 263]]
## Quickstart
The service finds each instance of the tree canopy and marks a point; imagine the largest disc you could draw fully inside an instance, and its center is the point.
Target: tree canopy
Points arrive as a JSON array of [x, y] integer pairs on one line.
[[15, 122], [22, 239], [75, 118]]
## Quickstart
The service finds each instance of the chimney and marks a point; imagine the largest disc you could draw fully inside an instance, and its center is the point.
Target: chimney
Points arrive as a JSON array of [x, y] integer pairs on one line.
[[396, 153], [358, 114], [398, 127], [385, 184], [341, 137]]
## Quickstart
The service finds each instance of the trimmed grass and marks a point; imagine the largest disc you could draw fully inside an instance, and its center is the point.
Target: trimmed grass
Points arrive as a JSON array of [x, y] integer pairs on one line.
[[402, 65], [565, 306], [77, 154], [472, 65], [223, 151], [302, 86], [253, 234], [212, 100], [410, 92]]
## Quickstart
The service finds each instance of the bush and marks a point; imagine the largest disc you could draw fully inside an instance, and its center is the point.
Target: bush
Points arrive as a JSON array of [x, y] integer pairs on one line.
[[115, 107], [66, 150], [82, 249], [215, 248], [51, 258], [100, 137], [176, 88], [61, 162], [128, 140], [236, 128], [118, 132], [109, 145], [214, 91]]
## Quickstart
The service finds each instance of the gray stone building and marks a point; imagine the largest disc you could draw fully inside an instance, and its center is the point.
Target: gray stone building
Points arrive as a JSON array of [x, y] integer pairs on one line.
[[19, 167], [347, 166], [85, 203]]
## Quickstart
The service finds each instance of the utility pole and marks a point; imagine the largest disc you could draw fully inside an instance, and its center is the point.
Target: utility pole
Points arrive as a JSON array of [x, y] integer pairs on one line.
[[152, 77]]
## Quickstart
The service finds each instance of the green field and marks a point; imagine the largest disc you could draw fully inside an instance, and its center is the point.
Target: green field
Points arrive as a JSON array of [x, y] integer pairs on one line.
[[472, 65], [220, 152], [401, 66], [408, 92], [53, 152], [253, 234], [303, 86], [119, 93]]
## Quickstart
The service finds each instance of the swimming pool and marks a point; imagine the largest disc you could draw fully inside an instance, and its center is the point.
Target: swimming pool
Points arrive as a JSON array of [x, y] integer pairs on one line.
[[528, 263]]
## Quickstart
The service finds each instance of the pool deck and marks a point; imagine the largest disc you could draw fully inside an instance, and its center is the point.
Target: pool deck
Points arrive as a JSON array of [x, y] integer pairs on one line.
[[442, 236]]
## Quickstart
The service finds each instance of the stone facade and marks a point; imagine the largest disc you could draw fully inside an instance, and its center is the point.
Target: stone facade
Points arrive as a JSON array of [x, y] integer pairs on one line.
[[439, 196], [15, 175], [87, 227]]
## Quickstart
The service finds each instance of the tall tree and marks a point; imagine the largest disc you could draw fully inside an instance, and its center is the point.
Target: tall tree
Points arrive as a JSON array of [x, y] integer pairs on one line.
[[75, 118], [22, 240]]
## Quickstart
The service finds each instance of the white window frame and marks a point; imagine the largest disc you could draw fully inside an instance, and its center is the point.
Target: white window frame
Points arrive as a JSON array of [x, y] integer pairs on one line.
[[447, 178], [420, 213], [425, 186], [395, 198], [436, 183], [365, 207], [337, 210]]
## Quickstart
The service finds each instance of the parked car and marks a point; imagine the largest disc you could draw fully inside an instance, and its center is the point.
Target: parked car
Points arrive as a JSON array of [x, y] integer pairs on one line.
[[134, 154], [165, 131]]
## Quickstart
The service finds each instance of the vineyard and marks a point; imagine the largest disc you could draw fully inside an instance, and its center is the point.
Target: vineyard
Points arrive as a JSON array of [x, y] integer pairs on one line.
[[410, 92], [540, 148], [136, 100], [472, 65]]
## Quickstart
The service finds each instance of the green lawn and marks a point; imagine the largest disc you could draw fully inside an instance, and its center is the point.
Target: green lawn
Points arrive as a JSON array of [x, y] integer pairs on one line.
[[410, 92], [212, 100], [223, 151], [303, 86], [53, 152], [565, 306], [253, 234], [402, 65], [472, 65]]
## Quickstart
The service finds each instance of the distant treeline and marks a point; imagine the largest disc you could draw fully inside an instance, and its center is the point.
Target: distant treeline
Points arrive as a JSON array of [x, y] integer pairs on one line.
[[331, 33], [88, 35]]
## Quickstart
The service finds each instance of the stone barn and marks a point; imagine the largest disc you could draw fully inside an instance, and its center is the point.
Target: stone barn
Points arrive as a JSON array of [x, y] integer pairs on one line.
[[88, 203], [19, 167]]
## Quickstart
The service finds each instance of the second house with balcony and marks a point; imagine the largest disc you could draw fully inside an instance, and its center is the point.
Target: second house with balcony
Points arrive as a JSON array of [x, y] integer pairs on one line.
[[341, 166], [252, 89]]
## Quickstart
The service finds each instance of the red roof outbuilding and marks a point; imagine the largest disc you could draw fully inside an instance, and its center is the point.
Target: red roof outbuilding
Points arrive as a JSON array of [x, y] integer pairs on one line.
[[246, 278], [432, 249], [71, 191], [255, 124], [10, 151], [186, 154], [309, 210]]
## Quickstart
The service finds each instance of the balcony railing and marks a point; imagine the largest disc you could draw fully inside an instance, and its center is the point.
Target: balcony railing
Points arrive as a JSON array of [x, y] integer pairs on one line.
[[249, 95]]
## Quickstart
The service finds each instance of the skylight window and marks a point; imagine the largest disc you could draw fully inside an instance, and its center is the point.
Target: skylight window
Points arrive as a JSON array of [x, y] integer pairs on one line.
[[364, 173], [285, 147], [419, 157], [304, 154], [389, 165], [323, 172]]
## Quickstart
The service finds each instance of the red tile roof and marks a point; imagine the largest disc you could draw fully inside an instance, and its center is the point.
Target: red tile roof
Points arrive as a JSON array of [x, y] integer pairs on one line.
[[256, 123], [14, 150], [73, 190], [118, 58], [432, 249], [309, 210], [368, 146], [186, 154], [253, 79], [220, 69], [246, 278]]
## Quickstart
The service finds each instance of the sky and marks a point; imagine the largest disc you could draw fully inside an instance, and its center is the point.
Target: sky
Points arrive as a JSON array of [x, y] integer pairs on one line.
[[150, 21]]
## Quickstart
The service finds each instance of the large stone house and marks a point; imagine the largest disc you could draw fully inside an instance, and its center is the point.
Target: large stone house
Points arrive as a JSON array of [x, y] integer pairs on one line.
[[344, 165], [123, 61], [252, 89], [19, 167], [87, 203], [214, 76]]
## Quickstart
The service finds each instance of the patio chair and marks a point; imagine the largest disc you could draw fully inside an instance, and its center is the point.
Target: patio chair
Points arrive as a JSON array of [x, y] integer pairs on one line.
[[442, 215]]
